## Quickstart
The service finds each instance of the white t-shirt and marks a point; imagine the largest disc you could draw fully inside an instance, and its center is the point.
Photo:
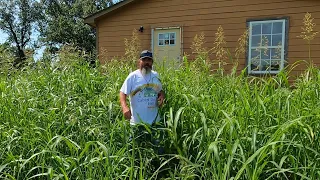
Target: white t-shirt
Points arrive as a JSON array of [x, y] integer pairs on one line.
[[143, 92]]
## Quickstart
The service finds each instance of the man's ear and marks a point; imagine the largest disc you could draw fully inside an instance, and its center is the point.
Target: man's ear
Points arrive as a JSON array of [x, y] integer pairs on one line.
[[138, 63]]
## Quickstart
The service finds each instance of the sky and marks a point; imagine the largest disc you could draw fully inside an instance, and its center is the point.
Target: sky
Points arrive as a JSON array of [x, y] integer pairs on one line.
[[38, 52], [3, 37]]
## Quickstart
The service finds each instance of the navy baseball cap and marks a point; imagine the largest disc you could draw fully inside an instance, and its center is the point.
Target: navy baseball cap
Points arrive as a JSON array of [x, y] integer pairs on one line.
[[146, 54]]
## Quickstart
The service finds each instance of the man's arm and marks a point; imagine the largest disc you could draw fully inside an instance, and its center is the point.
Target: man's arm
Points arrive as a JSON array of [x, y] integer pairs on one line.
[[161, 97], [125, 109]]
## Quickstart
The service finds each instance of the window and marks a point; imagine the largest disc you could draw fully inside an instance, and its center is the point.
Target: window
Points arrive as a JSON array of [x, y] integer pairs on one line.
[[166, 39], [267, 46]]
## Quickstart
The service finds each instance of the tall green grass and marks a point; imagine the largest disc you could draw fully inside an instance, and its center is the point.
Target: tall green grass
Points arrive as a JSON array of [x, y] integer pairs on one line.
[[65, 122]]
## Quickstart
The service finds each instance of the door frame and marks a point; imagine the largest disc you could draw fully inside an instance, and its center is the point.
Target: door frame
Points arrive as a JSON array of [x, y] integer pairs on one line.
[[167, 28]]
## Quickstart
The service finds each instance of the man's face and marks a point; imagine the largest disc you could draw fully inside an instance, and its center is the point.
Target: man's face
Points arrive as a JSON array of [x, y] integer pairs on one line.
[[146, 65]]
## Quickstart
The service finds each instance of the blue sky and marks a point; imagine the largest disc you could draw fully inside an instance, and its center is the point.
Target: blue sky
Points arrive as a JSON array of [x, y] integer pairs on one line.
[[38, 53], [3, 37]]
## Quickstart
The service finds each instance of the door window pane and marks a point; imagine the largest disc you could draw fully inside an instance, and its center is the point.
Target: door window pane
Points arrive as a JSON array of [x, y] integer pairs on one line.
[[172, 36], [161, 42], [167, 39]]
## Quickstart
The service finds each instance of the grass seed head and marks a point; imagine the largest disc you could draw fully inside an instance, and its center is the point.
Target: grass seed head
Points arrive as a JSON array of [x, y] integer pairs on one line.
[[308, 33]]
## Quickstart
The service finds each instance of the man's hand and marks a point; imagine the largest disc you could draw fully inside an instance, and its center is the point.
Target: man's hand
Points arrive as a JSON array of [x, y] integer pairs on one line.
[[125, 109], [127, 113], [160, 98]]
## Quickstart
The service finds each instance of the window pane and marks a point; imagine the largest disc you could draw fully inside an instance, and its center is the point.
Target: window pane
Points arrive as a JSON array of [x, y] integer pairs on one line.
[[254, 67], [256, 29], [172, 41], [255, 60], [276, 53], [166, 36], [255, 54], [255, 64], [166, 42], [265, 53], [266, 40], [172, 35], [276, 40], [266, 45], [161, 42], [255, 41], [265, 65], [277, 27], [161, 36], [275, 65], [266, 28]]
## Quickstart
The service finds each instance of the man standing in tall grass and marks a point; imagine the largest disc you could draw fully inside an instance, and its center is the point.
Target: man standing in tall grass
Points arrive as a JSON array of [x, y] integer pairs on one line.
[[145, 91], [146, 95]]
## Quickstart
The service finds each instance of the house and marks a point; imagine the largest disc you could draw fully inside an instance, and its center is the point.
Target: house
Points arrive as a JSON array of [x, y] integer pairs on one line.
[[168, 27]]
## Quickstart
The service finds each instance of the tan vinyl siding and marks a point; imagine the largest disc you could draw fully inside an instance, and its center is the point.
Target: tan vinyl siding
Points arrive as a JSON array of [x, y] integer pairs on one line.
[[205, 16]]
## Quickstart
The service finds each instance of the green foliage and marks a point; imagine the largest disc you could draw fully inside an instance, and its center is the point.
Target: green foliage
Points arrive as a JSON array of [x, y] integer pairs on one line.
[[62, 22], [6, 56], [65, 121], [17, 19]]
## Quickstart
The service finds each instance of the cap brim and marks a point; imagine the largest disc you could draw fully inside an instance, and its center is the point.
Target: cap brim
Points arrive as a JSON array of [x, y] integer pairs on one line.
[[146, 57]]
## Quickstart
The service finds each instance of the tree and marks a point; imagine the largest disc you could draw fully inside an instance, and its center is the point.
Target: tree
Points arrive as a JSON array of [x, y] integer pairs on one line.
[[63, 23], [17, 19]]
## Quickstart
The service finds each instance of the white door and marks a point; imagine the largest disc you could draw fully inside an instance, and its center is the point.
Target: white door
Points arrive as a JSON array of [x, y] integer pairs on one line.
[[167, 47]]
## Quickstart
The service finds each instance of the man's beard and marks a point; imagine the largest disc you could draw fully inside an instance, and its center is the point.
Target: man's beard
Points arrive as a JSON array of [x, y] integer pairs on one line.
[[145, 70]]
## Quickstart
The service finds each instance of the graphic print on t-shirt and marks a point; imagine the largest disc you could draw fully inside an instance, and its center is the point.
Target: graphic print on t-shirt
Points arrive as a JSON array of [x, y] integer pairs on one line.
[[155, 87], [146, 95], [149, 92]]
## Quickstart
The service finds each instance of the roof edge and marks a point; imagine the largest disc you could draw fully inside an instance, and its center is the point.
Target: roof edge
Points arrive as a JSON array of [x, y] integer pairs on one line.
[[91, 18]]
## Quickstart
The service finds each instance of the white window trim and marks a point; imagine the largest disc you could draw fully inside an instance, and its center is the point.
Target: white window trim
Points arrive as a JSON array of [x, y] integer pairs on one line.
[[282, 60], [175, 38]]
